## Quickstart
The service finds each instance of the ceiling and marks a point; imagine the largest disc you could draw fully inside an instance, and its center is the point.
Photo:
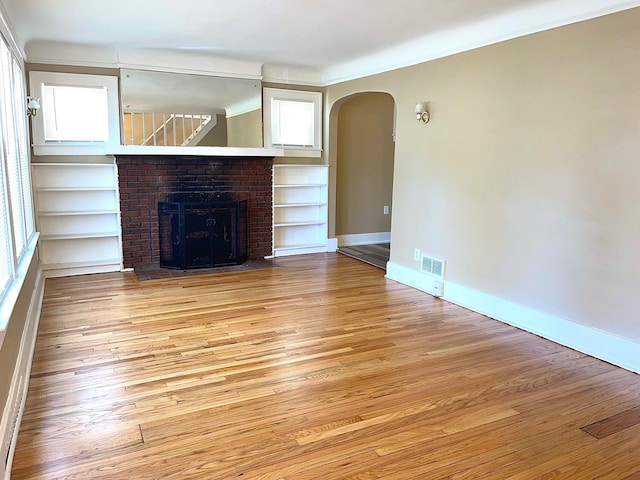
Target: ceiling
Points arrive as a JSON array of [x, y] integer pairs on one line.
[[338, 39]]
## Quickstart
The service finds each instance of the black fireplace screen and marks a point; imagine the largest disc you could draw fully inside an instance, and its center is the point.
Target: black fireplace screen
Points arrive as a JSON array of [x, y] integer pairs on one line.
[[199, 235]]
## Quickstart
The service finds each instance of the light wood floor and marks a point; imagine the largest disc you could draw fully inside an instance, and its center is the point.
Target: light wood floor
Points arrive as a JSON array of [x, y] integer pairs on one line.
[[320, 368]]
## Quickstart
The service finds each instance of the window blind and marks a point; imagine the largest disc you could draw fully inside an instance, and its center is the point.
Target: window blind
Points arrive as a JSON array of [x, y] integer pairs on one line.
[[6, 267], [10, 136], [16, 212], [6, 263], [22, 131]]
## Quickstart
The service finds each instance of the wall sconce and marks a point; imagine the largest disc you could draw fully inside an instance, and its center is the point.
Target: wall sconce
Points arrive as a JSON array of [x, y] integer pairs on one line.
[[33, 105], [422, 114]]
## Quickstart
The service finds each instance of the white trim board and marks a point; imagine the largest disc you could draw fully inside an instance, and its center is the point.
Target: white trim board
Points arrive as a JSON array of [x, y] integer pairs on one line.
[[605, 346], [332, 244], [298, 250], [200, 151], [363, 239]]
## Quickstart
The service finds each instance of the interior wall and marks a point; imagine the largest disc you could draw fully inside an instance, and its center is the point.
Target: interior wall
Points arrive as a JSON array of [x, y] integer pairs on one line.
[[217, 136], [16, 328], [245, 130], [526, 179], [365, 152]]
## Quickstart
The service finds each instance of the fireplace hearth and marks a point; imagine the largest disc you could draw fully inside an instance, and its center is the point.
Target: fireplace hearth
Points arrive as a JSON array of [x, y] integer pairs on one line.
[[197, 234]]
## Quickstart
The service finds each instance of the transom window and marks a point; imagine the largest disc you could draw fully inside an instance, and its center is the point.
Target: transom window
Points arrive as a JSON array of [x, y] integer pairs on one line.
[[65, 114], [80, 113], [293, 121]]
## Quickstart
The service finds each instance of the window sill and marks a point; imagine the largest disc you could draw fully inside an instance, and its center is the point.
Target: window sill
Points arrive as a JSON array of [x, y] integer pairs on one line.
[[87, 150], [194, 151], [8, 303], [69, 149], [308, 152]]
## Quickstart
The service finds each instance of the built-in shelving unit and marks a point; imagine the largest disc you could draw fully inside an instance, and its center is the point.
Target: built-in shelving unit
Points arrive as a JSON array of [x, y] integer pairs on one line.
[[78, 217], [299, 209]]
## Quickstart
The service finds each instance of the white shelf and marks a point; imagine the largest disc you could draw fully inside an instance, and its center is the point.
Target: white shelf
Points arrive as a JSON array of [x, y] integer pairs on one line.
[[296, 247], [293, 205], [79, 236], [299, 209], [74, 189], [200, 151], [299, 224], [96, 263], [76, 212], [78, 216], [299, 185]]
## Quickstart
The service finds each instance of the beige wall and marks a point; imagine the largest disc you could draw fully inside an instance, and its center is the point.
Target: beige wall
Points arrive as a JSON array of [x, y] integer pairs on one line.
[[245, 130], [46, 67], [365, 152], [217, 136], [527, 178]]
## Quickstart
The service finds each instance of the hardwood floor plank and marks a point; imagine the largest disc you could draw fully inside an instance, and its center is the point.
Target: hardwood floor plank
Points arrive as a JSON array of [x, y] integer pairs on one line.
[[614, 424], [317, 368]]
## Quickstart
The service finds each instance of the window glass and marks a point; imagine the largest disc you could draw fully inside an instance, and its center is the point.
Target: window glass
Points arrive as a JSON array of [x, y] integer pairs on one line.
[[75, 114], [10, 150], [5, 243], [79, 113], [16, 214], [22, 133], [292, 123]]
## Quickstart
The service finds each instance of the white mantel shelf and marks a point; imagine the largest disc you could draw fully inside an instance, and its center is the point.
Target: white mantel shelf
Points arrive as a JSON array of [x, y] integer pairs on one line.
[[195, 151]]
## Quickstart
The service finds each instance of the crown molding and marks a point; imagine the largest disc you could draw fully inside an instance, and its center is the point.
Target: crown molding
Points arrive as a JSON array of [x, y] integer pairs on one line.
[[289, 75], [514, 24], [173, 61]]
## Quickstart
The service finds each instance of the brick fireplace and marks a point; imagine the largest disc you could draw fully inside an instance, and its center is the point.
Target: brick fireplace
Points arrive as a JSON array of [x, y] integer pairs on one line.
[[144, 181]]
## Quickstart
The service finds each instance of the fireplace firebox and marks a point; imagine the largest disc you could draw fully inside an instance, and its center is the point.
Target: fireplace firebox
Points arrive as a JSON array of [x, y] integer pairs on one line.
[[202, 234]]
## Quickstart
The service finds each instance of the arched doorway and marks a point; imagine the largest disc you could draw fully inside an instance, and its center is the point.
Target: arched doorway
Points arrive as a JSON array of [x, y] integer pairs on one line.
[[364, 176]]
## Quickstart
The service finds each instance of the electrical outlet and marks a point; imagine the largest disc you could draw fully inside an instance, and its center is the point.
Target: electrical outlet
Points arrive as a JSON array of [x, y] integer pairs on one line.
[[385, 210], [416, 254], [438, 288]]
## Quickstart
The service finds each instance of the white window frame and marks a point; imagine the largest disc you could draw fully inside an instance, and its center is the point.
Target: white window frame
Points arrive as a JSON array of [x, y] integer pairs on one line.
[[42, 147], [271, 94], [20, 254]]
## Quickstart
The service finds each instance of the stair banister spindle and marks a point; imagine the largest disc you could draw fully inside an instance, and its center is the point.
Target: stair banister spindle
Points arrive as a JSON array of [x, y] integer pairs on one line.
[[174, 130]]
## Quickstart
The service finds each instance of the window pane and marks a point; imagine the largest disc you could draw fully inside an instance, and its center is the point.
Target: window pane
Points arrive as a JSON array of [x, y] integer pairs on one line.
[[292, 123], [5, 245], [6, 262], [9, 136], [75, 114], [23, 149]]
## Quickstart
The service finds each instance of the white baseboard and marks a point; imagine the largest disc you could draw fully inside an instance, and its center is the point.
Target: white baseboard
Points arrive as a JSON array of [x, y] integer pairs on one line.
[[332, 244], [50, 272], [13, 409], [363, 238], [285, 252], [611, 348]]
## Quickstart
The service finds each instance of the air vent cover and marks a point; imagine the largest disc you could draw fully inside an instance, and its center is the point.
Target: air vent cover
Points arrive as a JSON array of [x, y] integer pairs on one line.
[[432, 266]]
